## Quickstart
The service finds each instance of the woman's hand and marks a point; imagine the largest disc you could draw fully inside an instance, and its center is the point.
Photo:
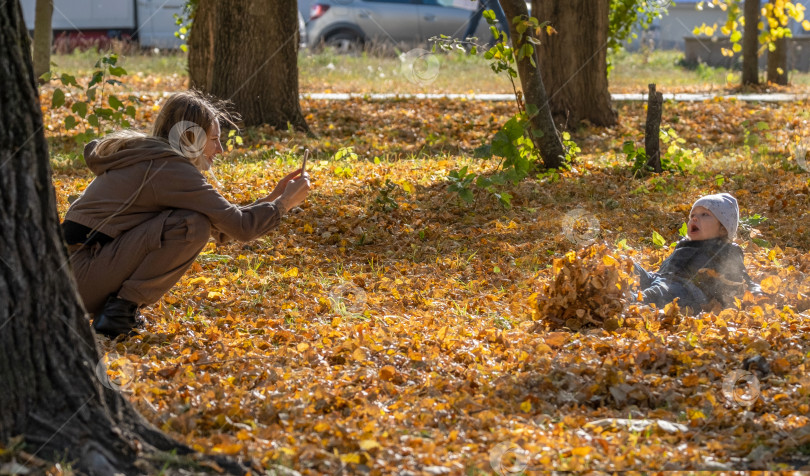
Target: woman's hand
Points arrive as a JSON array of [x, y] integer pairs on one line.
[[295, 192], [282, 185]]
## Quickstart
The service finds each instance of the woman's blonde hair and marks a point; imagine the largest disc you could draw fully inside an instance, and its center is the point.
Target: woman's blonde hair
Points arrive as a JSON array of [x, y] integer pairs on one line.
[[116, 141], [184, 121], [190, 106]]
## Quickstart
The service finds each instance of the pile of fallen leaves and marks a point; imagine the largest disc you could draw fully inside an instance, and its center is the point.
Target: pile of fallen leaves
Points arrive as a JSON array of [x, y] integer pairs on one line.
[[589, 288]]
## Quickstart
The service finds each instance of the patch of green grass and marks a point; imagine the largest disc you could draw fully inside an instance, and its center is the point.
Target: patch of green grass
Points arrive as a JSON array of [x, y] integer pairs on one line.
[[386, 71], [633, 71], [380, 73], [459, 73], [164, 62]]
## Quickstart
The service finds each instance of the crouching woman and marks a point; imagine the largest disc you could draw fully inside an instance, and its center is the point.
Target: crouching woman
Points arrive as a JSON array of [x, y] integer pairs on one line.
[[149, 212]]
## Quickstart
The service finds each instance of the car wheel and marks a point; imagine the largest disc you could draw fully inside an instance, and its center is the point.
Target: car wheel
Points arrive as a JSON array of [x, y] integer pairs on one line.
[[345, 42]]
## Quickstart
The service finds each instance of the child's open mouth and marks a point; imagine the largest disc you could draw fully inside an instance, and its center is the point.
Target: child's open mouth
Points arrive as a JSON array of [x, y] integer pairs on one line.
[[694, 229]]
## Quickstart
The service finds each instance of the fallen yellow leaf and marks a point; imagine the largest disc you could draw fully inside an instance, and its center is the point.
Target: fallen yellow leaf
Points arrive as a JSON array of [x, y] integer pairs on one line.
[[366, 445]]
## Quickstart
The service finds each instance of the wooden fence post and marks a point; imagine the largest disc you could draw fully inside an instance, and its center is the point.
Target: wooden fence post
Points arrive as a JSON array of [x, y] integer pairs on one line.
[[652, 145]]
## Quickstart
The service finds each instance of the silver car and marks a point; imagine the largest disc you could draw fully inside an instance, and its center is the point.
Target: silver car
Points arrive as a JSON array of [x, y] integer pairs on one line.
[[302, 31], [349, 24]]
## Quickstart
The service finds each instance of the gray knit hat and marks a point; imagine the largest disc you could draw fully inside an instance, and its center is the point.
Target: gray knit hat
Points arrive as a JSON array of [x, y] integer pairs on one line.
[[725, 209]]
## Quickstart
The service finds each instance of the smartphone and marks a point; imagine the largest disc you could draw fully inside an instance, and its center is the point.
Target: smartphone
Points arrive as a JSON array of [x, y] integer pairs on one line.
[[304, 162]]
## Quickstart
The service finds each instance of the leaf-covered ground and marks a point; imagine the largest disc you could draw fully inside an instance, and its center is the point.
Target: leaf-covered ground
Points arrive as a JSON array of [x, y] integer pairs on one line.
[[388, 326]]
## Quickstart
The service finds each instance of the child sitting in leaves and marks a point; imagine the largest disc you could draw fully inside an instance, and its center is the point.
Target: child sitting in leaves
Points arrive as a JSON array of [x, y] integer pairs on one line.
[[705, 266]]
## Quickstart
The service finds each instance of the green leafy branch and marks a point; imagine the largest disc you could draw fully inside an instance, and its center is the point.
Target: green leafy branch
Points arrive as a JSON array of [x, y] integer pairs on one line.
[[675, 158], [96, 108], [184, 21], [512, 144]]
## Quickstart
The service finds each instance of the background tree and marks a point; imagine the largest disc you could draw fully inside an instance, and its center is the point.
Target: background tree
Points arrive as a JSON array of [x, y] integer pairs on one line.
[[750, 67], [201, 42], [51, 395], [577, 57], [247, 51], [580, 68], [43, 37], [778, 33], [777, 15], [574, 60], [777, 62]]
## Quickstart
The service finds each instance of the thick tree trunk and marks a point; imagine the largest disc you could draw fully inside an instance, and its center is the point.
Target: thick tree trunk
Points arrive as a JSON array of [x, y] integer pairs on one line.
[[43, 34], [575, 60], [777, 60], [255, 59], [544, 133], [51, 395], [652, 130], [777, 63], [750, 72], [201, 46]]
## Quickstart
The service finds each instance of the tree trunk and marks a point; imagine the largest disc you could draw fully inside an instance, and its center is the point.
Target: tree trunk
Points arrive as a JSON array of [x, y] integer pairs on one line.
[[777, 63], [652, 130], [544, 133], [253, 59], [43, 35], [750, 67], [51, 395], [201, 46], [575, 60]]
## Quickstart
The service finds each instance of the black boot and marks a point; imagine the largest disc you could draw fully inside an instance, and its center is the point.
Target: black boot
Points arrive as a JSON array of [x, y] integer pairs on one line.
[[119, 316]]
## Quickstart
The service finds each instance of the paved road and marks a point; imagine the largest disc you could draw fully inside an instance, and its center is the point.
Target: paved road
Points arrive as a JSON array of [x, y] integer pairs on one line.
[[777, 97]]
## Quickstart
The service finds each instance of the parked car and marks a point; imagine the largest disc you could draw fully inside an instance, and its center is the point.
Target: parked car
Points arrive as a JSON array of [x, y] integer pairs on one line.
[[302, 31], [349, 24]]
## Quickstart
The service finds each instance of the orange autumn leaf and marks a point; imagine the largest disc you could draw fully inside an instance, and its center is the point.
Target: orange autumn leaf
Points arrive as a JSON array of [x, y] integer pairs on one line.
[[228, 449], [691, 380], [387, 372], [771, 284], [581, 451], [556, 339]]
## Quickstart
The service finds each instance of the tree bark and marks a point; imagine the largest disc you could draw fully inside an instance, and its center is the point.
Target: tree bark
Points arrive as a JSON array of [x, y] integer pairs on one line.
[[652, 130], [750, 67], [51, 395], [777, 60], [201, 46], [43, 36], [544, 133], [777, 63], [575, 60], [252, 59]]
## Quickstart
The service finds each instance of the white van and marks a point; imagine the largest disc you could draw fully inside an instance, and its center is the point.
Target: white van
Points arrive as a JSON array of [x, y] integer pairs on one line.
[[151, 22]]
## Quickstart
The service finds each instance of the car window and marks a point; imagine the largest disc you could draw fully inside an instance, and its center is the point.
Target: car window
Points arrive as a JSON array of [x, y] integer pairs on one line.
[[390, 1], [466, 4]]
